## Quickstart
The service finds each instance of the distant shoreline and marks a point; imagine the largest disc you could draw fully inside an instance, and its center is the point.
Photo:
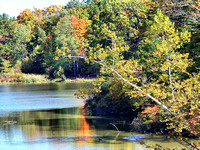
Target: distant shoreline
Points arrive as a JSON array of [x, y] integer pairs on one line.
[[46, 81]]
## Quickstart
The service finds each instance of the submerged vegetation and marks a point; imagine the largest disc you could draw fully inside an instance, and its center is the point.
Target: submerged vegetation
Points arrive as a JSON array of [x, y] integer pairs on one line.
[[143, 53]]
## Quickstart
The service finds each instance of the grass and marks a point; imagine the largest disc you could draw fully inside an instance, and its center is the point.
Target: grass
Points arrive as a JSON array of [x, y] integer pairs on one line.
[[13, 77], [80, 80], [76, 80], [35, 78]]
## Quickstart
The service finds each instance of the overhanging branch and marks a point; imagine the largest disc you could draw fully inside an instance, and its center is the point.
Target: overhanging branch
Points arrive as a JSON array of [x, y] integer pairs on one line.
[[126, 81]]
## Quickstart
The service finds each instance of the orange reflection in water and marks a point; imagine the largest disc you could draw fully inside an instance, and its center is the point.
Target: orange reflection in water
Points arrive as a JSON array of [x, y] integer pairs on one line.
[[43, 123], [84, 130]]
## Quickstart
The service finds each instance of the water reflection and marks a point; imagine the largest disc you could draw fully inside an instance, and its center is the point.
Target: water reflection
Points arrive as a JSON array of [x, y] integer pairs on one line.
[[48, 117], [38, 96], [58, 128]]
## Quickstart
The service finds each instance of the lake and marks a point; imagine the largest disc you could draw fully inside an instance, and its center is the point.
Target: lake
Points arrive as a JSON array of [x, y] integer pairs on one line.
[[50, 117]]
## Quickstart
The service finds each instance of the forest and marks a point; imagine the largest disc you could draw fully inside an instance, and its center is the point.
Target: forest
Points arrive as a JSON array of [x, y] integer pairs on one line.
[[143, 54]]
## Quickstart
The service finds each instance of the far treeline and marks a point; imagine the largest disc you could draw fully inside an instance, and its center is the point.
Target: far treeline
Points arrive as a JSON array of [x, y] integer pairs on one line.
[[146, 51]]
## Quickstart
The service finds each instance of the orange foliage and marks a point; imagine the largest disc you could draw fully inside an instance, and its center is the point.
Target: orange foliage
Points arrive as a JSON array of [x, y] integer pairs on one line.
[[197, 7], [79, 25], [52, 9], [193, 120], [38, 18], [150, 110], [25, 17], [35, 18]]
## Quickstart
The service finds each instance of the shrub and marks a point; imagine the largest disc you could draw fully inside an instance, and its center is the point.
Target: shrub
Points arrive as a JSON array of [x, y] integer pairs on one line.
[[35, 80], [28, 80]]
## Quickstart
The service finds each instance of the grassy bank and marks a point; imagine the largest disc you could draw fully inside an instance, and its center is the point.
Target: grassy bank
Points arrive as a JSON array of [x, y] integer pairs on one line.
[[74, 80], [13, 77]]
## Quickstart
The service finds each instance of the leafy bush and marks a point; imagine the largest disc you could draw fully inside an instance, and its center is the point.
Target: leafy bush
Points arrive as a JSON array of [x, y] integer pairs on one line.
[[58, 73], [112, 100], [35, 80], [5, 66], [28, 81]]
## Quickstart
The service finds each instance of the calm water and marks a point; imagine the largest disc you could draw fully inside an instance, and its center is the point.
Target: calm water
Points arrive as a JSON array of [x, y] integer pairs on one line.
[[49, 117]]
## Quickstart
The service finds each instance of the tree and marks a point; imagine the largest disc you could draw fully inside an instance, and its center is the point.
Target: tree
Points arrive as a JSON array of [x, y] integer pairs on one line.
[[35, 61], [6, 31], [164, 67], [70, 38], [6, 24], [182, 11], [185, 14], [21, 35], [52, 16], [116, 16], [80, 29], [168, 70], [26, 17]]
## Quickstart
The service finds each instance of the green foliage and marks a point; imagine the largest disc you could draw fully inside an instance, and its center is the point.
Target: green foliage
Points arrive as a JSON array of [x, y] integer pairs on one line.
[[165, 69], [58, 73], [21, 35], [168, 79], [112, 100], [111, 14], [31, 65], [6, 24], [142, 52], [64, 37], [5, 66], [27, 80]]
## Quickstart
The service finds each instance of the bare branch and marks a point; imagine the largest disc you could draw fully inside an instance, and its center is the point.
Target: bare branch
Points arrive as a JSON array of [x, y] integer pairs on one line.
[[116, 129], [170, 75]]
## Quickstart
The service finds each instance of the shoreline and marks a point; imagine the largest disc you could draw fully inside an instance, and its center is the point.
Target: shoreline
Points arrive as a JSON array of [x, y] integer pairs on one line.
[[68, 80]]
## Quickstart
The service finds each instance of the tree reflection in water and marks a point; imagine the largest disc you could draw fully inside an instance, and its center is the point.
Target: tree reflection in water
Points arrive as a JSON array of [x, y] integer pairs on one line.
[[66, 128]]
